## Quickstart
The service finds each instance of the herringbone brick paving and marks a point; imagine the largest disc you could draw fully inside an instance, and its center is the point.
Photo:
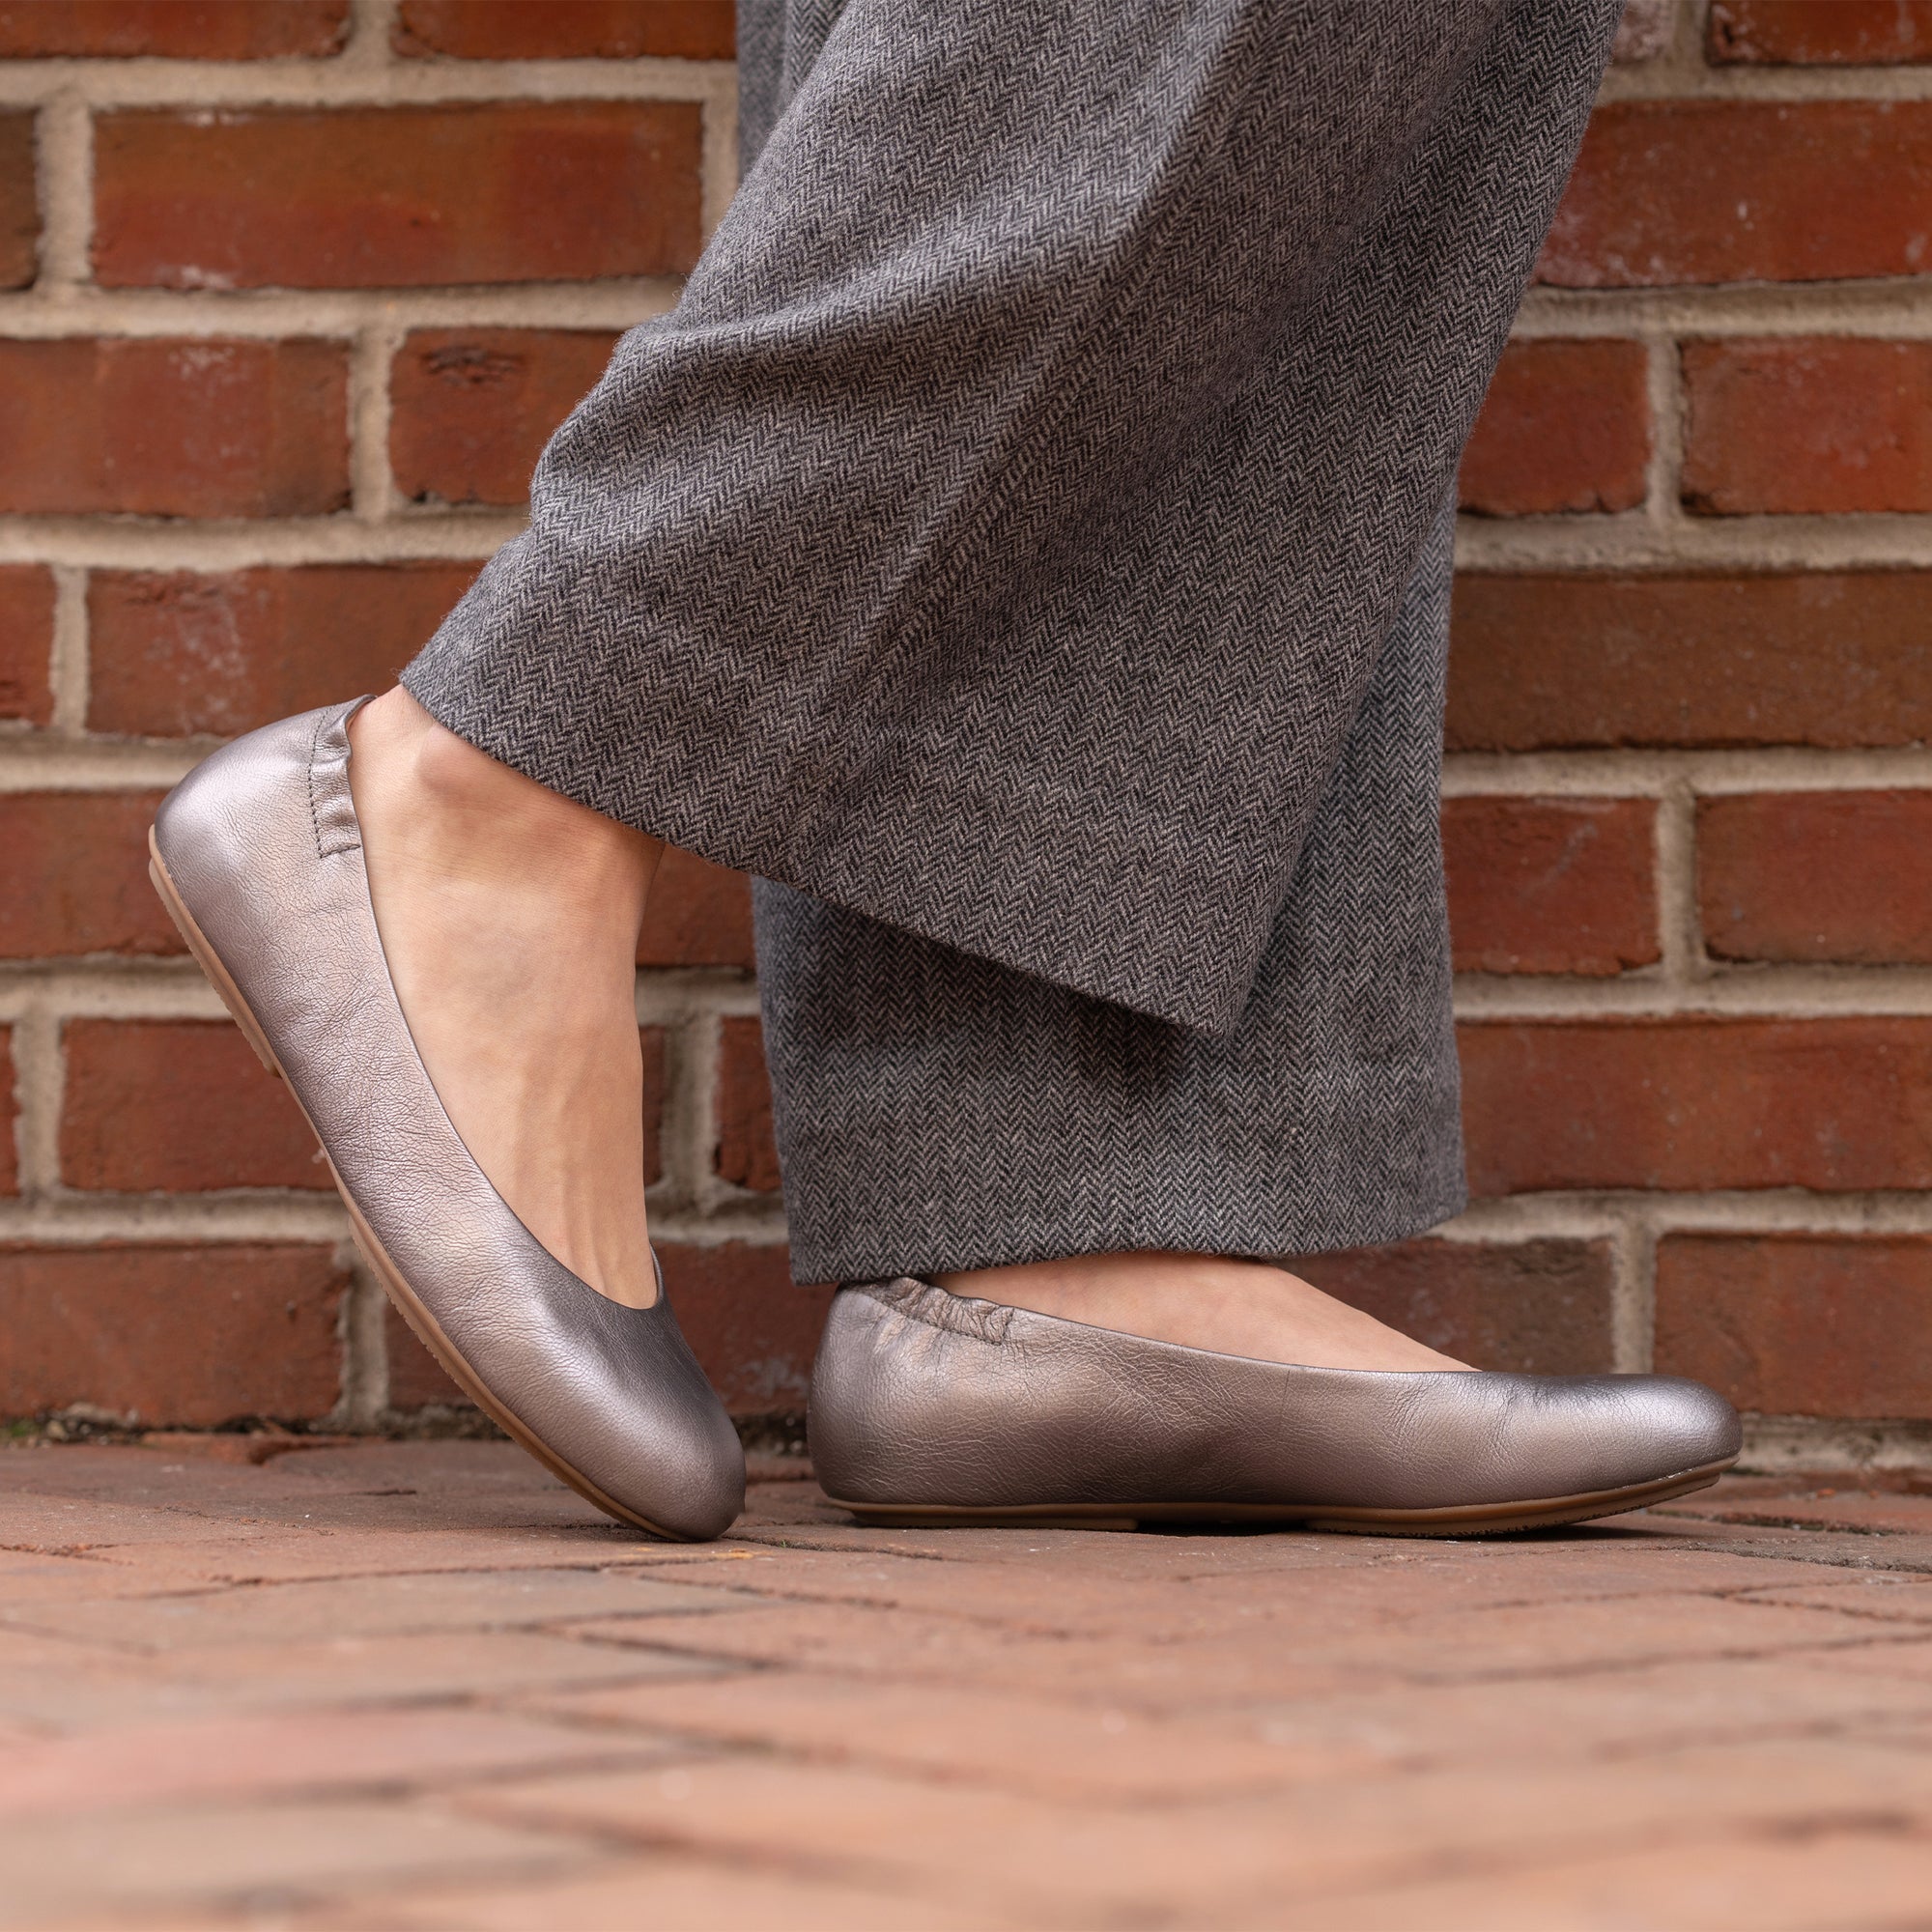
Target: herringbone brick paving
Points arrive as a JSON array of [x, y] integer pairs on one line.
[[421, 1687]]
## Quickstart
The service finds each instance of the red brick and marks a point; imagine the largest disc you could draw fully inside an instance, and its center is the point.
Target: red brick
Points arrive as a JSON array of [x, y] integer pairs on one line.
[[178, 1105], [1834, 658], [1550, 885], [700, 915], [399, 197], [1819, 33], [177, 653], [222, 30], [1565, 427], [1841, 876], [1525, 1307], [472, 409], [174, 429], [10, 1109], [19, 202], [26, 642], [1801, 1325], [182, 1337], [747, 1152], [1821, 1103], [1796, 425], [566, 29], [1675, 191], [752, 1327], [73, 876]]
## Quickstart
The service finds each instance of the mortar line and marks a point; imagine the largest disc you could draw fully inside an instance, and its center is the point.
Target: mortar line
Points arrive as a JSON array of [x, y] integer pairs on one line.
[[43, 313], [39, 1082], [1755, 545], [1601, 1215], [1663, 392], [362, 1342], [368, 48], [689, 1128], [1819, 993], [718, 143], [1679, 923], [1633, 1297], [372, 483], [68, 668], [353, 79], [1653, 774], [1875, 306], [64, 143]]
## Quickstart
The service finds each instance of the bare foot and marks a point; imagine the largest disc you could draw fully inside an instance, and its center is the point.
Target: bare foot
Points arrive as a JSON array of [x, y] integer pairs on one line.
[[509, 916], [1237, 1308]]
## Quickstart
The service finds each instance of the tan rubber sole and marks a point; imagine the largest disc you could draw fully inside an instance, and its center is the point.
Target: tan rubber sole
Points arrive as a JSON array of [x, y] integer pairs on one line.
[[428, 1331], [1472, 1519]]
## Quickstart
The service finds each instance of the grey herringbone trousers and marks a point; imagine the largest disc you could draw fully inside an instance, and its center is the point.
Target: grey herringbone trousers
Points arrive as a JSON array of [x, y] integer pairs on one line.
[[1025, 544]]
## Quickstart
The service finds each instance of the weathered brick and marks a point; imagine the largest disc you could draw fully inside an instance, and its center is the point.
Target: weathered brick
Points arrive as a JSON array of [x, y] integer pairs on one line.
[[10, 1109], [700, 915], [26, 642], [401, 198], [747, 1152], [73, 875], [1806, 424], [177, 653], [219, 29], [174, 428], [1675, 191], [178, 1105], [753, 1330], [1818, 33], [1818, 875], [1801, 1325], [566, 29], [1524, 1307], [1565, 427], [179, 1336], [1822, 1103], [1829, 657], [19, 202], [472, 409], [1551, 885]]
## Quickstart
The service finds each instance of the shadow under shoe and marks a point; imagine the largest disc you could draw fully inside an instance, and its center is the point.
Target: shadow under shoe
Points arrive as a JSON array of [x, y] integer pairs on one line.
[[258, 857]]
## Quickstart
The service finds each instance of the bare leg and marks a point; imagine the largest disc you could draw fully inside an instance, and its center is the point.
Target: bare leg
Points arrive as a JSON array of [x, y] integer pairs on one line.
[[509, 916], [1239, 1308]]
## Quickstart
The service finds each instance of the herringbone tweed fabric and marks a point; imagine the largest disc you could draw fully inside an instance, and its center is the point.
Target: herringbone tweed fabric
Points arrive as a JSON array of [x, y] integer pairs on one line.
[[936, 1111], [998, 538]]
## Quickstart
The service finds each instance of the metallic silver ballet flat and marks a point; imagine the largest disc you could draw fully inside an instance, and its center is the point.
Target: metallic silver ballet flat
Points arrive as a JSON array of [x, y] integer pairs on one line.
[[258, 857], [931, 1409]]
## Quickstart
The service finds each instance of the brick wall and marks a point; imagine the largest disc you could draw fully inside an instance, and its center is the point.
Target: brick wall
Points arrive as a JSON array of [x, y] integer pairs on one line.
[[290, 296]]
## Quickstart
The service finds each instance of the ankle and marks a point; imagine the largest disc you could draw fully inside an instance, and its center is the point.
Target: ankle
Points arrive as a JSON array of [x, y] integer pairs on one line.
[[465, 813]]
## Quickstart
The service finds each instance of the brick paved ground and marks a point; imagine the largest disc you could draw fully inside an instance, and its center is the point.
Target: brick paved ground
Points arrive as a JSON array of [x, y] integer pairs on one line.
[[420, 1686]]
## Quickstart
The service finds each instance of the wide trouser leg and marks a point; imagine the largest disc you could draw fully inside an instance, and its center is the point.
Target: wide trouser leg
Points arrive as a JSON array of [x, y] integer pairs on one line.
[[937, 1112], [998, 538]]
